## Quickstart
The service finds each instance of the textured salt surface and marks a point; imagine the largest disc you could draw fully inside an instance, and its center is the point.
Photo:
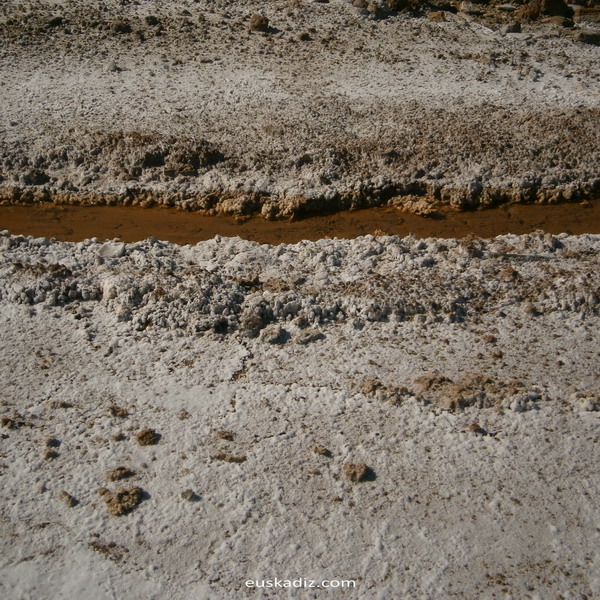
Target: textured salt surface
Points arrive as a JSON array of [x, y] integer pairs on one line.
[[463, 374], [192, 109]]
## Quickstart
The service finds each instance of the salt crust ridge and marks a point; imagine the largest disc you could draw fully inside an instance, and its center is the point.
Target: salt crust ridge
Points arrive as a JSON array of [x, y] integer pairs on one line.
[[232, 285]]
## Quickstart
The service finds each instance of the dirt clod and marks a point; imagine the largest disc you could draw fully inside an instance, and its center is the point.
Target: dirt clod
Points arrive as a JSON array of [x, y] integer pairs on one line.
[[117, 411], [477, 429], [119, 473], [259, 23], [190, 496], [123, 501], [227, 457], [147, 437], [356, 472], [322, 450], [67, 499], [111, 550]]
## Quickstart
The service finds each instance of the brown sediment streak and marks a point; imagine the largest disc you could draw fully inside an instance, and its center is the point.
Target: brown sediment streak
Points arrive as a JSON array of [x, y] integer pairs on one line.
[[128, 223]]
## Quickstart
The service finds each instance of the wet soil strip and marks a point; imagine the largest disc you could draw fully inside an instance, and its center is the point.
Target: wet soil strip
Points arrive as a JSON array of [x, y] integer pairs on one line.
[[76, 223]]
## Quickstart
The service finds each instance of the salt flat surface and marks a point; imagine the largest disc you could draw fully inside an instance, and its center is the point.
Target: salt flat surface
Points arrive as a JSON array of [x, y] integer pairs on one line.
[[463, 374], [328, 109], [417, 416]]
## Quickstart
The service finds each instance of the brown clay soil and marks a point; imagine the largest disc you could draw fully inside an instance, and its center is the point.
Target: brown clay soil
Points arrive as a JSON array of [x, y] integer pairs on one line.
[[76, 223]]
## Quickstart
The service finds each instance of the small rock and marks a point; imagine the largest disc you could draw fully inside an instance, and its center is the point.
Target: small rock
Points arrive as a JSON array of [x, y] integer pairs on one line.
[[117, 411], [518, 404], [376, 10], [587, 15], [400, 5], [555, 8], [112, 67], [560, 21], [308, 337], [121, 27], [52, 443], [152, 21], [35, 177], [111, 250], [469, 8], [224, 434], [251, 324], [55, 22], [274, 334], [529, 12]]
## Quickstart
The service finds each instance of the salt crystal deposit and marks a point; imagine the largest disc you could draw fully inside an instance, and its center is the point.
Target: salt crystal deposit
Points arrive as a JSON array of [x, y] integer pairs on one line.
[[377, 418], [462, 374]]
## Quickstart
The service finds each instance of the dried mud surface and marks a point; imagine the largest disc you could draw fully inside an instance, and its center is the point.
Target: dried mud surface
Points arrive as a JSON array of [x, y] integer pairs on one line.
[[335, 105]]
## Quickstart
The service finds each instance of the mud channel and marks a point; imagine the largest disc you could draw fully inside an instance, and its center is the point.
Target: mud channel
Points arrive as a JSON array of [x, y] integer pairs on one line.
[[76, 223]]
